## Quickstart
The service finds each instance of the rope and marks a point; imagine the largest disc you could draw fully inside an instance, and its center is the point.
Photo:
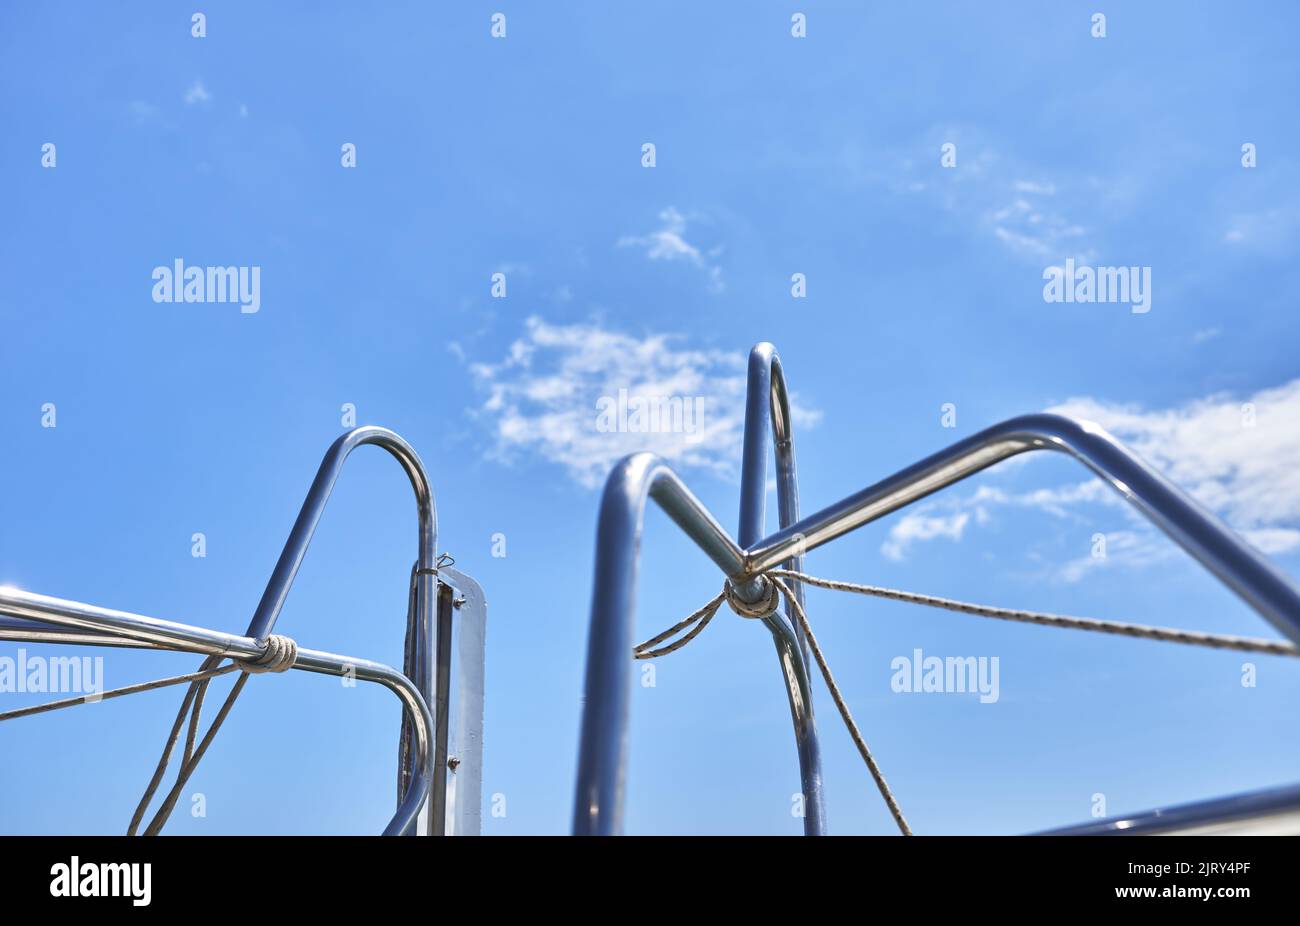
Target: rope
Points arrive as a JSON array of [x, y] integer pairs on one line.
[[890, 801], [279, 656], [115, 693], [769, 604], [1141, 631], [776, 587]]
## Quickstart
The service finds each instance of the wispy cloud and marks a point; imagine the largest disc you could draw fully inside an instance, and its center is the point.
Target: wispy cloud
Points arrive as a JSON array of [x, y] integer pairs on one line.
[[545, 399], [916, 527], [1236, 456], [668, 243], [1130, 548], [1032, 223], [1032, 216], [197, 94]]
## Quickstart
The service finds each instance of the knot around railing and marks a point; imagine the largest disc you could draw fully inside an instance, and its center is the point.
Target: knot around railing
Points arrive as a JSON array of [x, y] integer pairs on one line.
[[766, 605], [775, 587], [279, 656]]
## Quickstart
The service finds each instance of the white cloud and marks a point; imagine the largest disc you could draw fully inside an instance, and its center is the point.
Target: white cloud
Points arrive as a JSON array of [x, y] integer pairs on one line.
[[1131, 549], [1032, 225], [197, 94], [1274, 539], [915, 527], [669, 243], [543, 399], [993, 193], [1246, 473]]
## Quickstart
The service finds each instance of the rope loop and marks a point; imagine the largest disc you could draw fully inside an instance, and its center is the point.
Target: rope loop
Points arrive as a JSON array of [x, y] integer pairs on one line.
[[279, 656], [778, 582], [753, 609]]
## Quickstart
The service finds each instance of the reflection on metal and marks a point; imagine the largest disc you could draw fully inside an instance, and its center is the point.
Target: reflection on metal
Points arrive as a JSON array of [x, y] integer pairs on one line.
[[462, 630], [602, 753], [442, 664], [1275, 812], [766, 400]]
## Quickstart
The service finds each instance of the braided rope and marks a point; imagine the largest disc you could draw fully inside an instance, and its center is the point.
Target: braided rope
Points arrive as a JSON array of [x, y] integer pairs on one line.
[[877, 775], [279, 655], [1140, 631], [768, 605], [775, 587]]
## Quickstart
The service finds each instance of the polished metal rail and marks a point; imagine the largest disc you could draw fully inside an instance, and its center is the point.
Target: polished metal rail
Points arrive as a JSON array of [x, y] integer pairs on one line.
[[603, 747], [420, 647], [1271, 812], [767, 402], [602, 751], [126, 629], [433, 651], [1212, 543]]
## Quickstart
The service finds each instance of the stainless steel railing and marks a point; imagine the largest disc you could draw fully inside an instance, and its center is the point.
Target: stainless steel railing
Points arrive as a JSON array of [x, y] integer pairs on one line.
[[603, 747], [441, 688]]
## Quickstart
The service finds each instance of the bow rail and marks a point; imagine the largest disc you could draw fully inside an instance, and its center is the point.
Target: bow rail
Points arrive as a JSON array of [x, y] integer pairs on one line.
[[603, 736], [441, 687]]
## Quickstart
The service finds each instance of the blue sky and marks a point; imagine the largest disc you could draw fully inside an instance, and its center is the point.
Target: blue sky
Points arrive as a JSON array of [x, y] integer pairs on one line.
[[774, 156]]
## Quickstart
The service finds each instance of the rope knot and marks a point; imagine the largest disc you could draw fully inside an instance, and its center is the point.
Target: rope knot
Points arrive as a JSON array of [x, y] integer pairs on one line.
[[753, 609], [279, 656]]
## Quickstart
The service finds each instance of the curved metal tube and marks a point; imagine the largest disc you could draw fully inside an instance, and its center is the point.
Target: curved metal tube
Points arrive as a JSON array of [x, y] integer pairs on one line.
[[767, 403], [603, 740], [1214, 545], [127, 629], [420, 655], [602, 750], [1275, 811], [26, 616], [277, 589], [417, 715]]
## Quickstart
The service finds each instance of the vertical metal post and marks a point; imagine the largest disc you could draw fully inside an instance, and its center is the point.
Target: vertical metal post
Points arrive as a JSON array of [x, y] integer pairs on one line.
[[767, 404], [419, 649], [602, 746]]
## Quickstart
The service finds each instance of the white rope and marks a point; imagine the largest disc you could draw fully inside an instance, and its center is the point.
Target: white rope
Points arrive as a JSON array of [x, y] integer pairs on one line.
[[775, 588], [1141, 631], [700, 619], [279, 656]]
